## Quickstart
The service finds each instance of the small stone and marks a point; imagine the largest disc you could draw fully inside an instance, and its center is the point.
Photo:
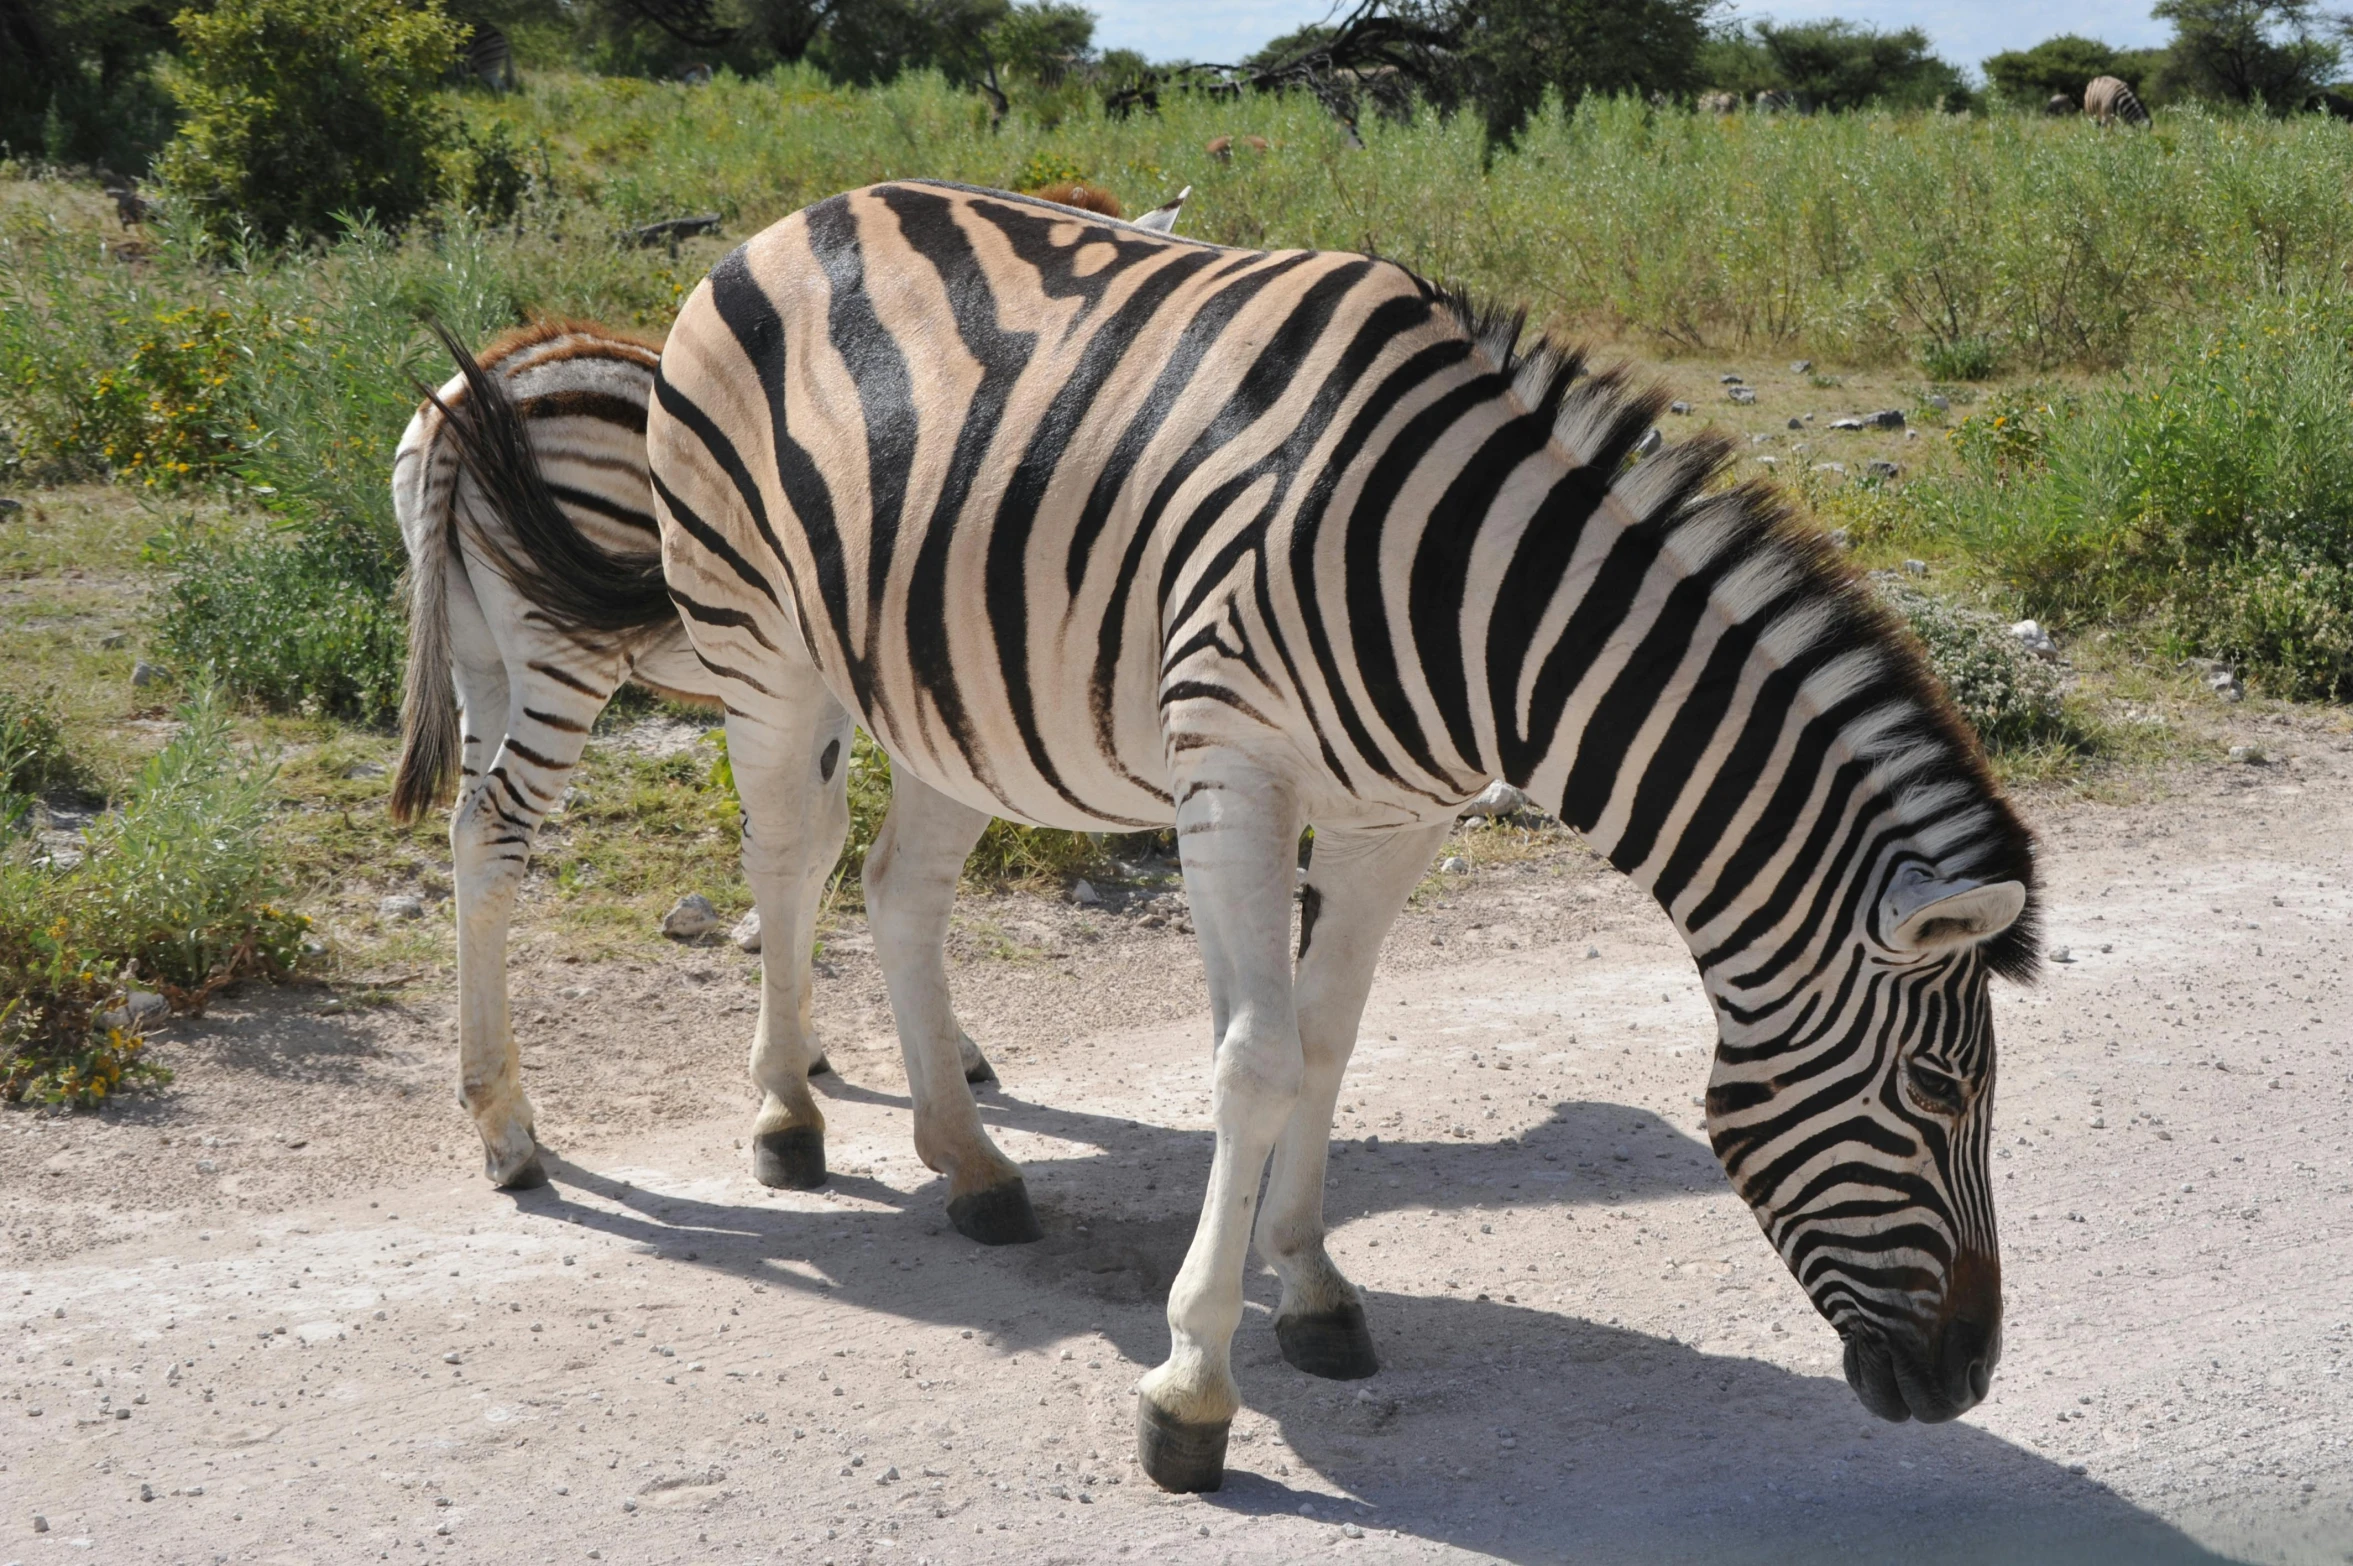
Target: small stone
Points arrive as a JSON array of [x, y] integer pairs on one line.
[[2035, 640], [2224, 682], [1679, 407], [889, 1475], [1743, 395], [1497, 799], [1801, 367], [1651, 441], [1084, 895], [401, 905], [1881, 468], [1797, 424], [690, 918], [142, 1011], [113, 639], [1727, 380], [2249, 755], [144, 673], [629, 1506], [1915, 568], [1884, 419], [1351, 1531], [452, 1358], [1939, 401], [364, 769], [1838, 468], [1455, 864], [746, 934], [2062, 954], [1592, 952], [41, 1523]]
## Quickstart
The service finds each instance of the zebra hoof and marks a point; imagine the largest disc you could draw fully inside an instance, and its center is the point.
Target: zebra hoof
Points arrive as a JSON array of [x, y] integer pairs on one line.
[[1000, 1215], [789, 1160], [529, 1175], [978, 1070], [1334, 1344], [821, 1067], [1187, 1459]]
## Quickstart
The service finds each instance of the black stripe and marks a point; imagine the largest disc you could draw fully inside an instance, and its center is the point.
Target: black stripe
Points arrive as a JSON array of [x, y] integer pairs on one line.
[[588, 500]]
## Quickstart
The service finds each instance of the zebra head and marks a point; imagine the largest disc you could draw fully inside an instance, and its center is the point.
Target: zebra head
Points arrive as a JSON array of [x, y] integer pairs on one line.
[[1852, 1103]]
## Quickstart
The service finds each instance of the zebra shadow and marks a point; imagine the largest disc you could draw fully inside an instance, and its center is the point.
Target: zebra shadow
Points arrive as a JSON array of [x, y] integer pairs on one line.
[[1522, 1434]]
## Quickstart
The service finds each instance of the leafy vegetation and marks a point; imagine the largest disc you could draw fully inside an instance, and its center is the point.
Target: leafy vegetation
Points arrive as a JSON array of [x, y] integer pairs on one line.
[[174, 890], [1834, 65], [2207, 494]]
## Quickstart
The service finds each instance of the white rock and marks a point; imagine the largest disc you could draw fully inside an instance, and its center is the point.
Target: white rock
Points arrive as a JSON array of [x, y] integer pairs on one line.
[[1743, 395], [1084, 895], [402, 906], [1497, 799], [1915, 568], [2035, 640], [690, 918], [1651, 441], [746, 934], [2250, 755], [1455, 864], [143, 1010], [144, 673]]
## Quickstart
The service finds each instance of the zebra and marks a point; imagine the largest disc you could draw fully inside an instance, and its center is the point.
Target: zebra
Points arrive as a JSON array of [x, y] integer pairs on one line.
[[1102, 529], [2108, 99], [562, 402], [487, 58]]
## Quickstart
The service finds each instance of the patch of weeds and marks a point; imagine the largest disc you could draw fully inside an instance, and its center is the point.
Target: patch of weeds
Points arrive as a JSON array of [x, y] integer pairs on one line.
[[174, 890], [2009, 696], [33, 757]]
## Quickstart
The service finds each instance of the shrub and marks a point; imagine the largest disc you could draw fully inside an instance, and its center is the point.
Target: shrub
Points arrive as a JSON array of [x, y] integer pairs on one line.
[[175, 890], [2211, 493], [304, 113], [32, 754], [2010, 697]]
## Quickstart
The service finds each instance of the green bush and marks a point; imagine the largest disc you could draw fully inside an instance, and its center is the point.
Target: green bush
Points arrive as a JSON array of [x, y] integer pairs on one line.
[[174, 890], [2210, 494], [32, 754], [302, 114], [2010, 697]]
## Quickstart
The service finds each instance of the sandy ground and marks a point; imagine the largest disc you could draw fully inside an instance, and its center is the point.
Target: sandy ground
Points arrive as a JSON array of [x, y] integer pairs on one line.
[[275, 1315]]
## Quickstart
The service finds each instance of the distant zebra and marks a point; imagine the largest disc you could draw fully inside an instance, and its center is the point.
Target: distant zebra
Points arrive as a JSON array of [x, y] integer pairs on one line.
[[487, 58], [1100, 529], [1773, 101], [2108, 99], [545, 481]]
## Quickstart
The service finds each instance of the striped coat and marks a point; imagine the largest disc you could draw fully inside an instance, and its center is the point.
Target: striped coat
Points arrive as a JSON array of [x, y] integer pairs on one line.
[[1095, 528]]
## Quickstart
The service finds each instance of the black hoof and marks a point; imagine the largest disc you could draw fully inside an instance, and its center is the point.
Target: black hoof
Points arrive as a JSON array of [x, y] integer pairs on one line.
[[998, 1216], [789, 1160], [820, 1067], [1180, 1457], [980, 1071], [529, 1177], [1336, 1344]]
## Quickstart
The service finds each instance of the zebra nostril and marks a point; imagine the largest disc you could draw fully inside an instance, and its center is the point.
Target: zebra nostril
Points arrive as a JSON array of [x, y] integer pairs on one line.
[[1966, 1359], [1981, 1379]]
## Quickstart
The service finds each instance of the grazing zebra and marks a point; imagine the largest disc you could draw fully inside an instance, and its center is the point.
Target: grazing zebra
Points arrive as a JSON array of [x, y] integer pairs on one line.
[[1094, 528], [564, 401], [487, 58], [2108, 99]]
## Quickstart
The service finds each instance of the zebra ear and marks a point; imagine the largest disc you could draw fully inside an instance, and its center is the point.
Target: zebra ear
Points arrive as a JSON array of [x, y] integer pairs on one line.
[[1928, 916]]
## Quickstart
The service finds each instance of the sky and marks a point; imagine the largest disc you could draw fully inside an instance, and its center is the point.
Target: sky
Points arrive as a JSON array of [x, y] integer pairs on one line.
[[1963, 31]]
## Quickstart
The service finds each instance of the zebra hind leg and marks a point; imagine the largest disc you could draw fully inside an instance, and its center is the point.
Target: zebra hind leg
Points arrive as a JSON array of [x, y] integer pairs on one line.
[[511, 780], [789, 755], [911, 875], [1354, 889]]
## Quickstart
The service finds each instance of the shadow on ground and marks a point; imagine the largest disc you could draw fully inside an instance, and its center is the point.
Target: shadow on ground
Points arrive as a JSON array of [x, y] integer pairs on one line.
[[1495, 1427]]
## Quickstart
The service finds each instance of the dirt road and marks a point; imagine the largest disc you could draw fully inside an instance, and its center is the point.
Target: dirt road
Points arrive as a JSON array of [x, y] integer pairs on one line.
[[280, 1301]]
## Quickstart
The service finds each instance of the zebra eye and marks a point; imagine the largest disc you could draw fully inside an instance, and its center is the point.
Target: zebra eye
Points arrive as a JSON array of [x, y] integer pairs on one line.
[[1933, 1088]]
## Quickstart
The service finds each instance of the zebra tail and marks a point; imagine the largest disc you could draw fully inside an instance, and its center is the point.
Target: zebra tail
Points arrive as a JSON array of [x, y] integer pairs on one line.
[[575, 584], [428, 706]]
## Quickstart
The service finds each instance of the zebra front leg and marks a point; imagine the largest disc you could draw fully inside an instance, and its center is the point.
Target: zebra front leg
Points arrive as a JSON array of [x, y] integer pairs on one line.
[[1237, 829], [911, 875], [500, 808], [789, 757], [1356, 885]]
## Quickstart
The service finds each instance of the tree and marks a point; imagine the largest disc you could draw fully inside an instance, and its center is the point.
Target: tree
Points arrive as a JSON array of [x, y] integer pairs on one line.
[[1507, 54], [2061, 65], [1839, 65], [77, 83], [300, 112], [2249, 51]]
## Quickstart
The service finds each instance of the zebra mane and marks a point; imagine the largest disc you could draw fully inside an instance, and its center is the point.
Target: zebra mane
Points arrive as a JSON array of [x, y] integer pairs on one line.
[[1933, 762]]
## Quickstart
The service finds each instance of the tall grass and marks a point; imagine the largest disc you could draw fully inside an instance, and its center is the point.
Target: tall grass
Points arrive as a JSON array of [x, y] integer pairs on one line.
[[2209, 492], [174, 890]]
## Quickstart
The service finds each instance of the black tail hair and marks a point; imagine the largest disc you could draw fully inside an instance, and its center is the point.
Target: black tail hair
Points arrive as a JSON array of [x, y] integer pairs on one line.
[[570, 579]]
